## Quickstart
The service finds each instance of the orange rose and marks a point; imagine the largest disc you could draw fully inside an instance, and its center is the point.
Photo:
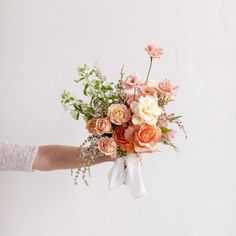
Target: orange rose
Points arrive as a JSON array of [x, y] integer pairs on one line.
[[103, 126], [91, 126], [146, 138], [119, 137], [118, 114]]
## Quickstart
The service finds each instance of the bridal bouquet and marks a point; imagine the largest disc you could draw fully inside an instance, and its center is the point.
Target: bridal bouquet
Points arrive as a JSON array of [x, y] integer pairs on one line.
[[123, 119]]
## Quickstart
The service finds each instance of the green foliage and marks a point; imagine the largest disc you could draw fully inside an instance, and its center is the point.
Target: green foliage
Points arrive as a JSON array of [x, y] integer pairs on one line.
[[165, 130], [95, 86]]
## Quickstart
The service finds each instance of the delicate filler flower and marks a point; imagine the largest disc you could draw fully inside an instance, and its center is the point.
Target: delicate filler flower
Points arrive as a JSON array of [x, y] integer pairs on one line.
[[132, 81], [146, 110], [107, 146], [119, 137], [145, 138], [153, 51], [167, 89], [118, 114], [163, 120]]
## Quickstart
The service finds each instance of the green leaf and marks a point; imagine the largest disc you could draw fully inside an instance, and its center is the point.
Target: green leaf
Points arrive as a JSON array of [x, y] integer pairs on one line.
[[85, 89], [77, 115], [165, 130], [174, 118]]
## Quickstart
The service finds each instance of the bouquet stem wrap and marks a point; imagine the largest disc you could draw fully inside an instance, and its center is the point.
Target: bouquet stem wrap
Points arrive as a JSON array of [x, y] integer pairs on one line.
[[128, 171]]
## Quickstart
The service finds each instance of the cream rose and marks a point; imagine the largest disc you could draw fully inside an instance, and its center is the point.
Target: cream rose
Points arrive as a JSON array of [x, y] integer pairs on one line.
[[118, 114], [146, 110]]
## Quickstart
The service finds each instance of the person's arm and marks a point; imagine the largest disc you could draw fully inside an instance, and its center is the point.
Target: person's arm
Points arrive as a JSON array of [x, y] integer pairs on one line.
[[53, 157]]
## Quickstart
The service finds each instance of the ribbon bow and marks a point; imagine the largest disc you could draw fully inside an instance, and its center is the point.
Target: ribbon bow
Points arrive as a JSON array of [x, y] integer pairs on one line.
[[127, 170]]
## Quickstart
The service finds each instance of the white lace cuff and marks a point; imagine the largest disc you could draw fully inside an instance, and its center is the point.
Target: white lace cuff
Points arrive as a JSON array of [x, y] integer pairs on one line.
[[17, 157]]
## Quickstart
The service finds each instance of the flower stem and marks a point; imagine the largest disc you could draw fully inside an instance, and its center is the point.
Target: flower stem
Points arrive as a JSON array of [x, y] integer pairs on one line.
[[149, 70]]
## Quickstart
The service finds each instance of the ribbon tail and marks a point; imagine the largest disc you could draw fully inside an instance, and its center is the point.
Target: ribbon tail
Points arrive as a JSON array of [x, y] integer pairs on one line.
[[133, 177], [116, 174]]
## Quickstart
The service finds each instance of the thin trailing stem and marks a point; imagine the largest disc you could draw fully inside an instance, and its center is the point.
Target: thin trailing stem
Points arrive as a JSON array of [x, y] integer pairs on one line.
[[149, 70]]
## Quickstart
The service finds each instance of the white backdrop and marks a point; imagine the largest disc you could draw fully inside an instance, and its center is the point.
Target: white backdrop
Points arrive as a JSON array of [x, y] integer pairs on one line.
[[189, 194]]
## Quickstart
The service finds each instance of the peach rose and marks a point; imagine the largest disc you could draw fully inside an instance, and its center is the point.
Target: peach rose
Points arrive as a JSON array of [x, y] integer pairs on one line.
[[146, 138], [153, 51], [107, 146], [132, 81], [103, 125], [119, 137], [118, 114], [167, 89], [91, 126], [99, 126]]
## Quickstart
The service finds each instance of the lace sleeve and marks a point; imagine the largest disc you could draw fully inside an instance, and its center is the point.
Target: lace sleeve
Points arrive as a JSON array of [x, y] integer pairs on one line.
[[17, 157]]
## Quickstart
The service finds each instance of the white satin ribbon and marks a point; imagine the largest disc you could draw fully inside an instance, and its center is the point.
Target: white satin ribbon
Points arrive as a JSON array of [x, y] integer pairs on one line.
[[127, 170]]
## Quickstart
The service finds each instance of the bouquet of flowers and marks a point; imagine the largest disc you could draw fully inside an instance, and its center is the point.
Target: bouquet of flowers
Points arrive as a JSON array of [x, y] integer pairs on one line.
[[123, 119]]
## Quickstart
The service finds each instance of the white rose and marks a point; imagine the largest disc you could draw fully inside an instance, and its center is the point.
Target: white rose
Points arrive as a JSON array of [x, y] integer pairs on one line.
[[146, 110]]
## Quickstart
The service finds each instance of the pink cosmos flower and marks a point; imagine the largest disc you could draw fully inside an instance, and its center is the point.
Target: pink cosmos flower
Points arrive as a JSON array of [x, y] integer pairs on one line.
[[147, 90], [132, 81], [153, 51], [167, 89]]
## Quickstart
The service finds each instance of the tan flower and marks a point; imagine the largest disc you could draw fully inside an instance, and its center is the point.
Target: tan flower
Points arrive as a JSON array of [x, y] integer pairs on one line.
[[118, 114], [91, 126], [107, 146], [99, 126], [103, 125]]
